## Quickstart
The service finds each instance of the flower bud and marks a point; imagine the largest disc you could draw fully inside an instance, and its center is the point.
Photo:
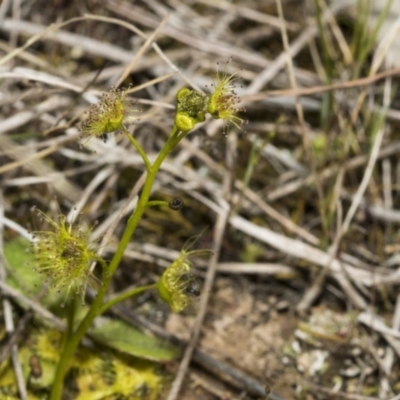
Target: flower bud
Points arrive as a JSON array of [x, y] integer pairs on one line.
[[183, 122], [176, 204]]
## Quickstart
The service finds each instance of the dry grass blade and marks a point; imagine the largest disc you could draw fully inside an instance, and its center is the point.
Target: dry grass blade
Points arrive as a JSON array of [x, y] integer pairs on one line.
[[302, 250], [7, 309], [139, 54], [219, 231], [322, 89], [37, 308]]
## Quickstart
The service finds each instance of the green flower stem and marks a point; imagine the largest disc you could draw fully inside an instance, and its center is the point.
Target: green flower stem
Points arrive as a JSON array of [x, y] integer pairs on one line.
[[126, 295], [103, 264], [178, 137], [139, 149], [157, 203], [70, 319], [108, 273]]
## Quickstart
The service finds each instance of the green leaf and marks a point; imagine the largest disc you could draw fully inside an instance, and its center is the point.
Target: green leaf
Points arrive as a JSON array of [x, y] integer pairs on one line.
[[21, 275], [129, 340]]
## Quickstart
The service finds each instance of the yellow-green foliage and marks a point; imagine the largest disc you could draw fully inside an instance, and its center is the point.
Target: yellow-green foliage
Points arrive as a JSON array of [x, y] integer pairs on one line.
[[64, 255], [177, 283], [115, 378], [96, 374], [108, 115], [223, 101], [47, 344]]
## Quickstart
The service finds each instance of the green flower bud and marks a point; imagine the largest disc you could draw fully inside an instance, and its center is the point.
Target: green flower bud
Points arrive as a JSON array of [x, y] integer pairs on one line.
[[183, 122], [176, 204]]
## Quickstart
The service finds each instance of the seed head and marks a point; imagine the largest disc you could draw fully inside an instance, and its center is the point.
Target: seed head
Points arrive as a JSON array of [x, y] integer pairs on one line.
[[190, 109], [108, 115], [223, 101], [64, 255]]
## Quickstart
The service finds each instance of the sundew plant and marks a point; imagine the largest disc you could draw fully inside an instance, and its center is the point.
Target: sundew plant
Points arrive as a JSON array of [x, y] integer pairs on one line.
[[64, 254]]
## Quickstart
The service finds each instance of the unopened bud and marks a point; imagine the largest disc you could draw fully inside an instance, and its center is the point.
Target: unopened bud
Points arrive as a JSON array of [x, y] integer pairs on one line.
[[176, 204]]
